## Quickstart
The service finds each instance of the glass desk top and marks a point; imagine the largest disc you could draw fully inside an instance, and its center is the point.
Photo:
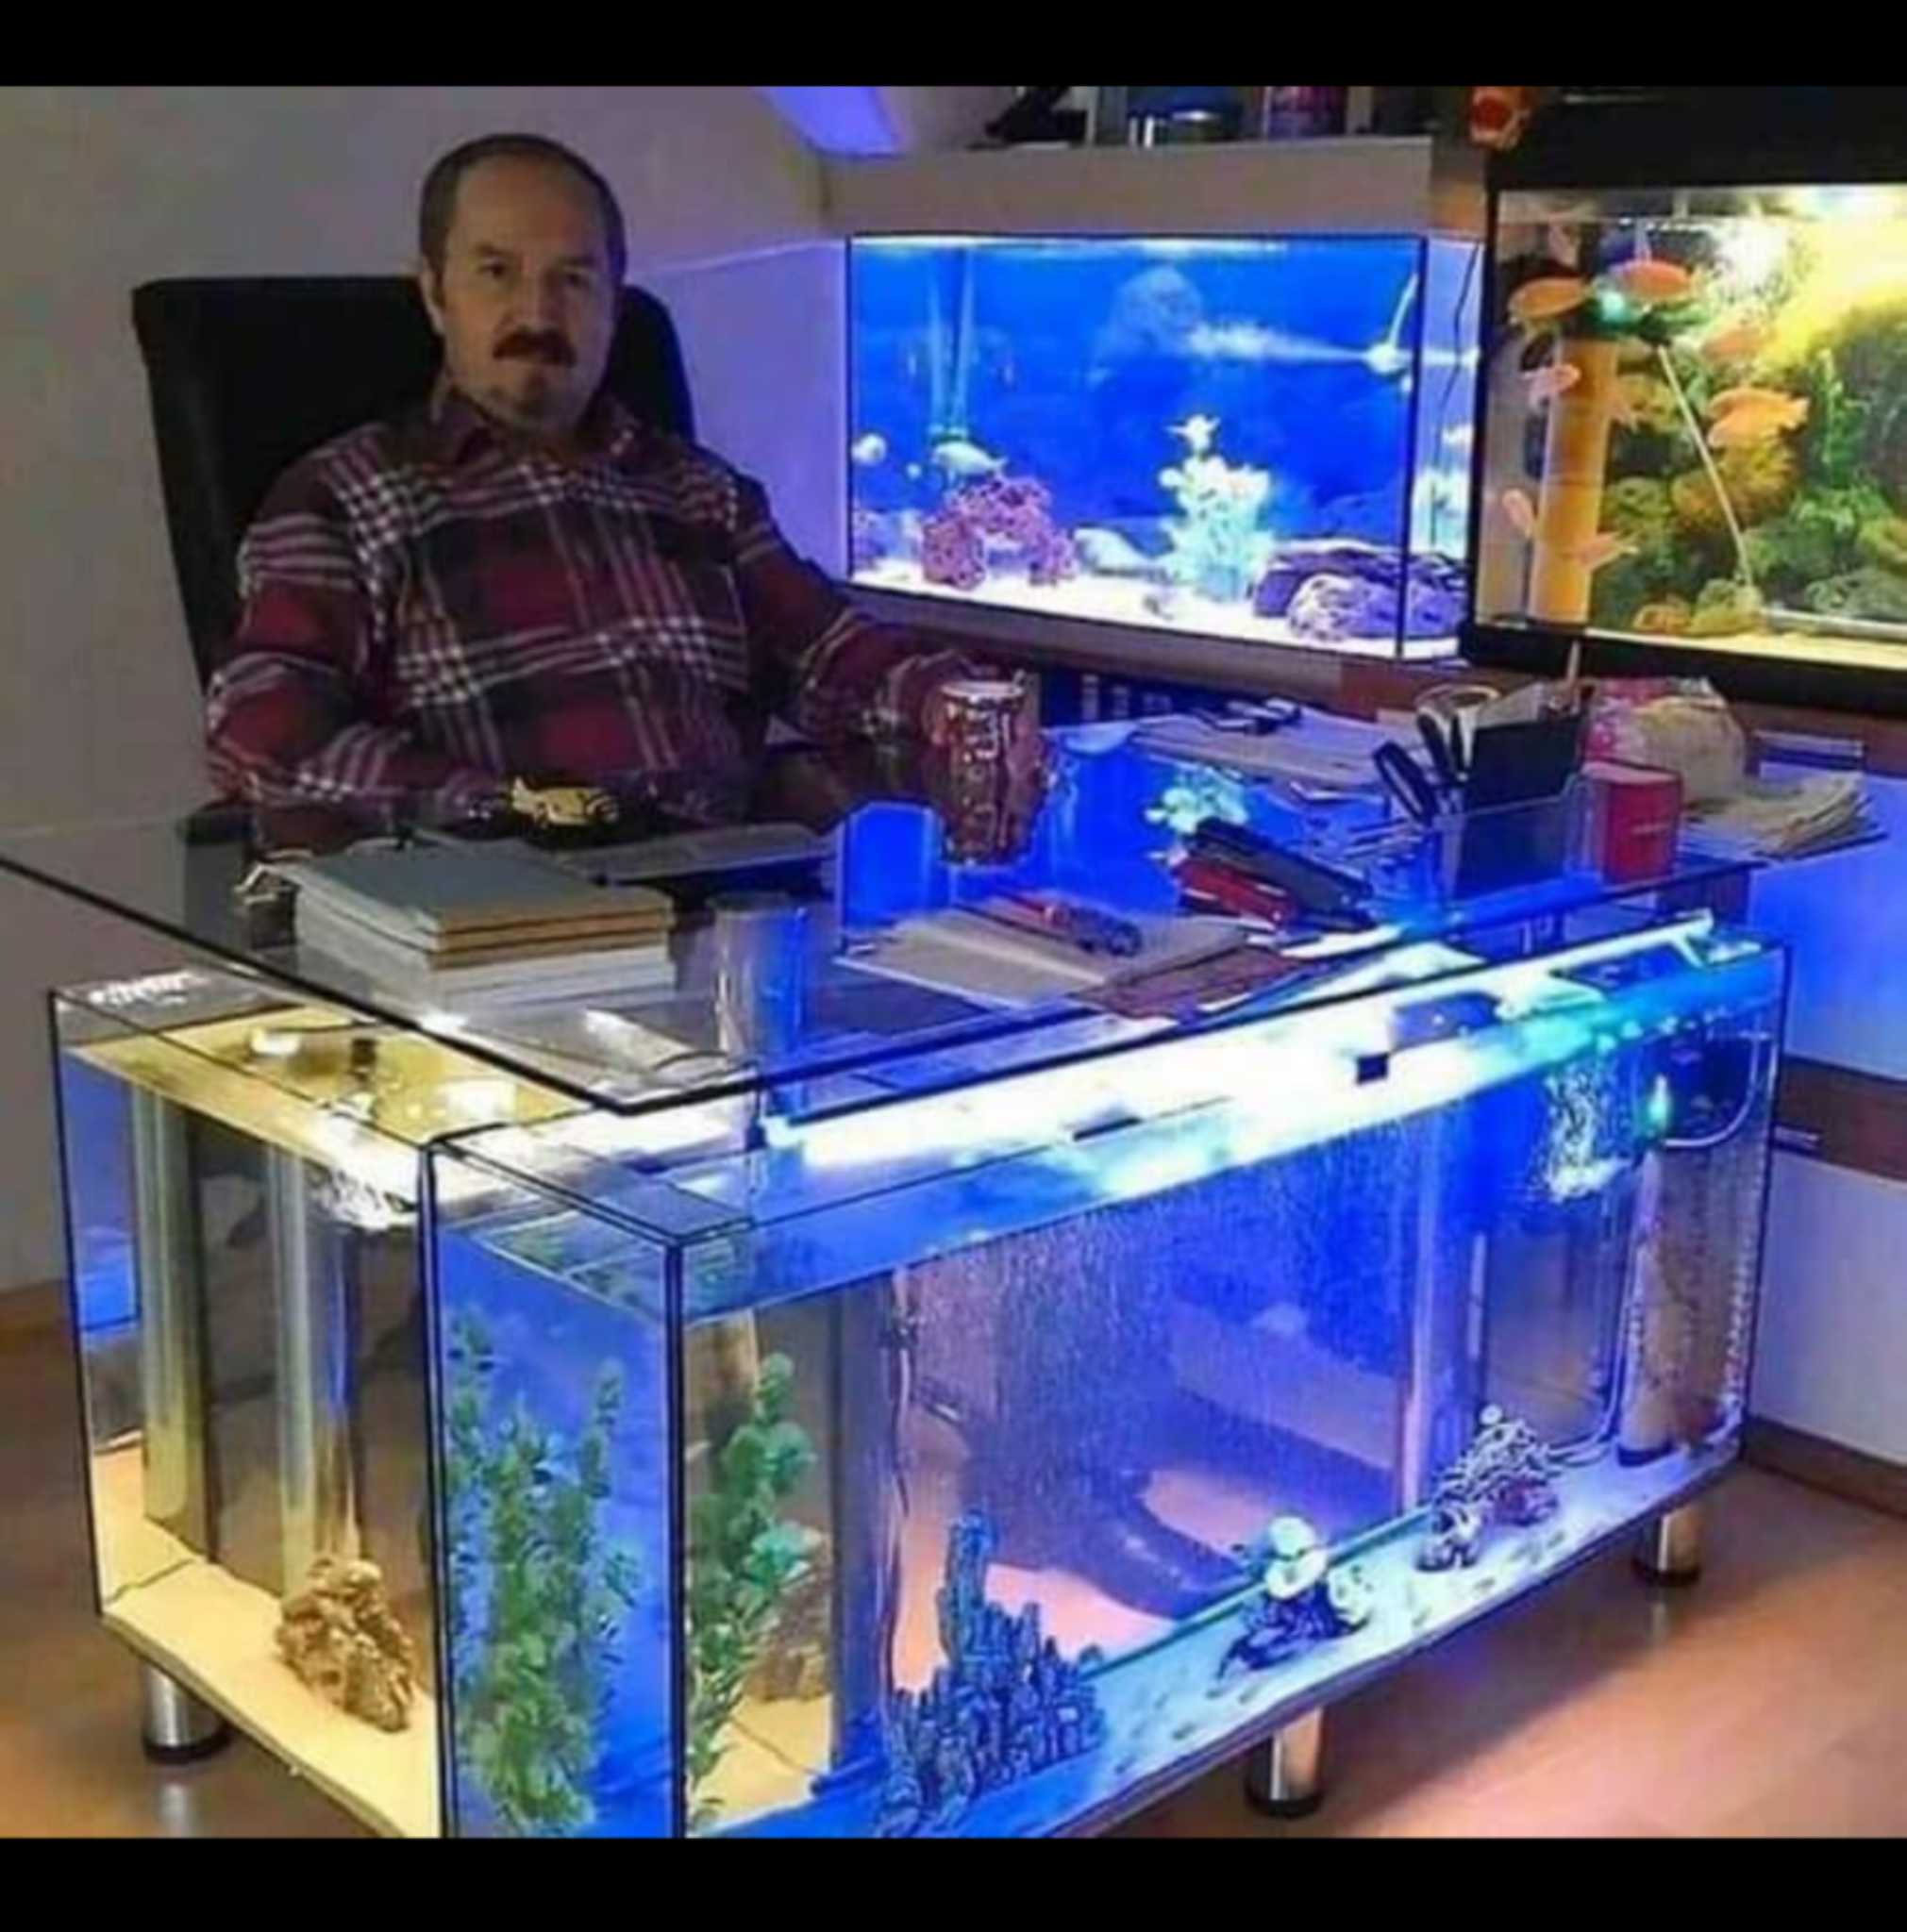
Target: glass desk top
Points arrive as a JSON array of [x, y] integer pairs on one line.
[[1112, 819]]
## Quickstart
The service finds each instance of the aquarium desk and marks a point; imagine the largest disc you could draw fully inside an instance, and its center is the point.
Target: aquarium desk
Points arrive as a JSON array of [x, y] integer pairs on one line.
[[962, 1418]]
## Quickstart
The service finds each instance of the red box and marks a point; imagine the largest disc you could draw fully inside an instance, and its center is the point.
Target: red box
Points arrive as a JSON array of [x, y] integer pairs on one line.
[[1634, 821]]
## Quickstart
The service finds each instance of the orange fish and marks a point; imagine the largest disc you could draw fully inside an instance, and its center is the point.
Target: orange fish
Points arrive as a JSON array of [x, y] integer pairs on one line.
[[1547, 300], [1653, 283], [1735, 343], [1556, 379], [1729, 400], [1762, 422], [1521, 512], [1599, 551]]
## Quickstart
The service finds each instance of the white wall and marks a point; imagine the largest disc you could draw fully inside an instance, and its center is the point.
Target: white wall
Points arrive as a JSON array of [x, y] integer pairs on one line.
[[109, 186]]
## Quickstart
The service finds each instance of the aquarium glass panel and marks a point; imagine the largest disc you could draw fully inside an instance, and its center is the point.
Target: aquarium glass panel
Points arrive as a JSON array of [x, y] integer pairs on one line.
[[1039, 1435], [552, 1409], [1697, 421], [1256, 440], [249, 1310]]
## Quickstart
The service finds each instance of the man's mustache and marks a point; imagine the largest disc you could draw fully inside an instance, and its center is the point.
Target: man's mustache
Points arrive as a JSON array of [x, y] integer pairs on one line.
[[536, 345]]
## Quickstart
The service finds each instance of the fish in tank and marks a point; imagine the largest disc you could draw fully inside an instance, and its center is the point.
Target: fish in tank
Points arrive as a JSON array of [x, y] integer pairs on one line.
[[1696, 421], [1267, 441]]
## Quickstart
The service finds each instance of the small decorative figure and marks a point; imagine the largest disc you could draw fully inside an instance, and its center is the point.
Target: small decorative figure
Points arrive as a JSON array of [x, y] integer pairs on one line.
[[562, 807], [1302, 1600], [1507, 1475], [340, 1636], [1004, 1705]]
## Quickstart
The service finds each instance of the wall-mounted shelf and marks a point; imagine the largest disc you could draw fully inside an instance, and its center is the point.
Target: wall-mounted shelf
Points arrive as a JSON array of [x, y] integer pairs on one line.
[[1361, 185]]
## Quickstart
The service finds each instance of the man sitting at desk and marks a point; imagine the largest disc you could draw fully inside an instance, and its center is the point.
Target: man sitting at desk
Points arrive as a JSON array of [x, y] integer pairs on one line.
[[518, 584]]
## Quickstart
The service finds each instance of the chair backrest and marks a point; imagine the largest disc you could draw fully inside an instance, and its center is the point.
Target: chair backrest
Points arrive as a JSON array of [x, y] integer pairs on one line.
[[248, 376]]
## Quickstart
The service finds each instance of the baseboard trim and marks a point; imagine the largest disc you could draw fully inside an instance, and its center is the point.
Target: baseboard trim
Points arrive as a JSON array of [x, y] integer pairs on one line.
[[1840, 1472], [26, 1312]]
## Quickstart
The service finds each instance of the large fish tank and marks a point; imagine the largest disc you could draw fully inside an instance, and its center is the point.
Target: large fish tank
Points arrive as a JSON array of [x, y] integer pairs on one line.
[[971, 1424], [1262, 442], [1695, 430]]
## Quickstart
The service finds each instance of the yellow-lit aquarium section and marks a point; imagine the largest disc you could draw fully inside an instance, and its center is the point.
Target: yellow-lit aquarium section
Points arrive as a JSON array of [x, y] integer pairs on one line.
[[1265, 442], [1695, 422]]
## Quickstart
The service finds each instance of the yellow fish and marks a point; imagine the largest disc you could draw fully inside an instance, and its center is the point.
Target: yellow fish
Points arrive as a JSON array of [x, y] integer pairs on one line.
[[1547, 384], [1548, 299], [1521, 512], [1653, 283]]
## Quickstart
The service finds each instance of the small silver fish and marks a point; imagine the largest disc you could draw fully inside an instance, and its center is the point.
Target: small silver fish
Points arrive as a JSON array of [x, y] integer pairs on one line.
[[869, 451], [959, 458]]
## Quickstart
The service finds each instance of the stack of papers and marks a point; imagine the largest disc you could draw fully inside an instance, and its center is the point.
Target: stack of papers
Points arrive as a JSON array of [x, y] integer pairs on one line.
[[1321, 755], [480, 927], [1782, 817], [961, 952]]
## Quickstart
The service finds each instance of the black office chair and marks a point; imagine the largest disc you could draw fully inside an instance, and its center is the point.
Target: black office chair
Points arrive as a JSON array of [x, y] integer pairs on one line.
[[247, 375]]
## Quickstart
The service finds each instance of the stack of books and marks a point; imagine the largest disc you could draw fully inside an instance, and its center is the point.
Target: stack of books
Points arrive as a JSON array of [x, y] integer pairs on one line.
[[464, 928]]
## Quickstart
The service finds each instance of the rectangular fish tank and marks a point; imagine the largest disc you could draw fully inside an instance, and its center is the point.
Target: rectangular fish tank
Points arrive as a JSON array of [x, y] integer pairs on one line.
[[1696, 435], [1260, 441], [974, 1446]]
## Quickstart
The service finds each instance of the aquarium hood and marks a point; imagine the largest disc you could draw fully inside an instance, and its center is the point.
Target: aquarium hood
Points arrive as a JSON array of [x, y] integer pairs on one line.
[[1361, 186]]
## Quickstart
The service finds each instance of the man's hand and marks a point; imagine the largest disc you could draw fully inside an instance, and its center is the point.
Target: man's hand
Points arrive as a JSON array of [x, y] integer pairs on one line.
[[992, 824]]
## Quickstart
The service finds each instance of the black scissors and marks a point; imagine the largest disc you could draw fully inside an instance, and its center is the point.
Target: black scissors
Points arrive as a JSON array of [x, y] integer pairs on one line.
[[1414, 795]]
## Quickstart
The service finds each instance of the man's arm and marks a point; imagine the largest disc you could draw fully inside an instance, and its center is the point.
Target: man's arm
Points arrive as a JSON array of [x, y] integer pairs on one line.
[[289, 716], [849, 677]]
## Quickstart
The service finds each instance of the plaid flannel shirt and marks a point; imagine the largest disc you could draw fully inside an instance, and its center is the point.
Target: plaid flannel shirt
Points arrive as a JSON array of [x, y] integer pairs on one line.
[[433, 608]]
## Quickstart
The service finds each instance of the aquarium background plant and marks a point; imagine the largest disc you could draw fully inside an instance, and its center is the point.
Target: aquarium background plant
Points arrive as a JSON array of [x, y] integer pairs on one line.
[[744, 1556], [538, 1600]]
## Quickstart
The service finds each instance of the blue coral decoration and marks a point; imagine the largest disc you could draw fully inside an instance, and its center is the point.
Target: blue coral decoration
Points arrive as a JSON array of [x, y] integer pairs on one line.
[[1302, 1601], [1003, 1705]]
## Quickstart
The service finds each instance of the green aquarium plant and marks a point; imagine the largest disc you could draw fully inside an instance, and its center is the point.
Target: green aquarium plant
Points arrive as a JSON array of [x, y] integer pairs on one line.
[[744, 1556], [538, 1599], [1218, 548]]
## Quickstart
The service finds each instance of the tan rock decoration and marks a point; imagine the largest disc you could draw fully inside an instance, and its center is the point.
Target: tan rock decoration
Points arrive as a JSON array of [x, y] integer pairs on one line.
[[340, 1636]]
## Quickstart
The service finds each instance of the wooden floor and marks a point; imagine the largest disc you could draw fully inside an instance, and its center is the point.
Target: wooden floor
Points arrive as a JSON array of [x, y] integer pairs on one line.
[[1771, 1702]]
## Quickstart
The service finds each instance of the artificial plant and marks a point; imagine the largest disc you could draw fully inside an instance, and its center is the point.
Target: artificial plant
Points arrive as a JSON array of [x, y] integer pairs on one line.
[[531, 1670], [744, 1558]]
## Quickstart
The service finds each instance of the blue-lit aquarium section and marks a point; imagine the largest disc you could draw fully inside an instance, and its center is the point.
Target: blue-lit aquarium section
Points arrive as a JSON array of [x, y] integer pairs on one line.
[[1266, 442], [1034, 1439]]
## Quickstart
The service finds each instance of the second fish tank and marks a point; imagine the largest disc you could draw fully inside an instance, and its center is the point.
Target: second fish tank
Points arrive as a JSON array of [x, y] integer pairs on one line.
[[1266, 442], [1695, 432]]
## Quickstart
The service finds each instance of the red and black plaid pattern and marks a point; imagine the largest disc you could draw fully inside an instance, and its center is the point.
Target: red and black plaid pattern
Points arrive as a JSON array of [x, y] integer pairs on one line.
[[433, 608]]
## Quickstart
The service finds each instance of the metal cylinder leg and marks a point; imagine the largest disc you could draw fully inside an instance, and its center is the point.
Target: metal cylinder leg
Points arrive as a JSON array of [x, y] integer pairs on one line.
[[1668, 1554], [1285, 1776], [311, 1275], [178, 1728]]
